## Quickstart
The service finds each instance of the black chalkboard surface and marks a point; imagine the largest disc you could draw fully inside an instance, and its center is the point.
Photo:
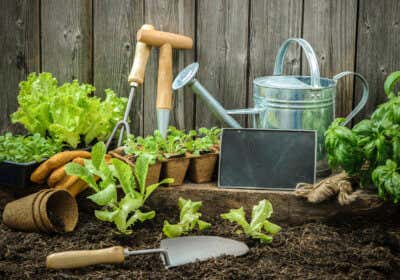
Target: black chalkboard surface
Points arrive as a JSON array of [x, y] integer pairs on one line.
[[266, 158]]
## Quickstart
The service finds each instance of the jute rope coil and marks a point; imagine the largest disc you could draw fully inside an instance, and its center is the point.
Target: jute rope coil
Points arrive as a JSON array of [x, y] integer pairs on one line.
[[339, 184]]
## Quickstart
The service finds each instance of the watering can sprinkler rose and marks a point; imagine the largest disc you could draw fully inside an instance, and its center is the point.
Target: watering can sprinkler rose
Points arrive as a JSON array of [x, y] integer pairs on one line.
[[284, 102]]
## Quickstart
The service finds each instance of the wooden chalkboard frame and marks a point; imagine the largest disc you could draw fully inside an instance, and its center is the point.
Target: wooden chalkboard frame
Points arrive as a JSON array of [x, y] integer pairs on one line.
[[277, 188]]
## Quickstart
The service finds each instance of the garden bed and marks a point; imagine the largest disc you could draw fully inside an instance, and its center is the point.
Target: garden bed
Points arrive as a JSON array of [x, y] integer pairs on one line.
[[363, 248]]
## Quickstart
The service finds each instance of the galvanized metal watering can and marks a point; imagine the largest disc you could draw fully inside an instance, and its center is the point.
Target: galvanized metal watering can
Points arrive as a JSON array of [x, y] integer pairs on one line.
[[285, 102]]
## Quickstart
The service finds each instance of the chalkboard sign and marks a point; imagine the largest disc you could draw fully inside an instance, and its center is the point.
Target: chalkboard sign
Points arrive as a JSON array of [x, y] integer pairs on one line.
[[266, 158]]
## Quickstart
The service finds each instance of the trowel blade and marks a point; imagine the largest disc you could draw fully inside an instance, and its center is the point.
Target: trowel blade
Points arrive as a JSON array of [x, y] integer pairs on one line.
[[163, 121], [189, 249]]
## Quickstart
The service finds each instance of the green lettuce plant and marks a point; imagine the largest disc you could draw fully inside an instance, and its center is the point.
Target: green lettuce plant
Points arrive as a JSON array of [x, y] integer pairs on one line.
[[67, 113], [259, 221], [370, 152], [143, 146], [189, 218], [124, 212], [22, 149]]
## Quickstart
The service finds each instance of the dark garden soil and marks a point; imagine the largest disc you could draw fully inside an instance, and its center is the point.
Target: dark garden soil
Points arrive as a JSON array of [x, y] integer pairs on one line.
[[361, 249]]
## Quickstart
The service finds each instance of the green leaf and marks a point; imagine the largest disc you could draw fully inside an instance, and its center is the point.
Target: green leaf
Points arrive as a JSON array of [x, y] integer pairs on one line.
[[140, 216], [105, 216], [238, 216], [129, 204], [271, 227], [203, 225], [141, 170], [83, 173], [390, 83], [124, 174], [97, 154], [261, 212], [172, 231], [105, 196]]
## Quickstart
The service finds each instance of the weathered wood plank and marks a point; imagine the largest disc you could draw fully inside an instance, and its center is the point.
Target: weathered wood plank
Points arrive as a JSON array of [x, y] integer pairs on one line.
[[288, 208], [114, 34], [67, 39], [330, 27], [271, 23], [178, 17], [222, 44], [19, 49], [378, 46]]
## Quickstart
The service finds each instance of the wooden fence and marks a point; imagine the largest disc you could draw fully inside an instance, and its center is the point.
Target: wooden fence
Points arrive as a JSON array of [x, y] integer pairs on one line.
[[235, 40]]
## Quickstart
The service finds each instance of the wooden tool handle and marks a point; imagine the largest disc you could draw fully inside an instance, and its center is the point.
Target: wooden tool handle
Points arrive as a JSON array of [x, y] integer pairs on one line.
[[164, 81], [158, 38], [74, 259], [142, 53]]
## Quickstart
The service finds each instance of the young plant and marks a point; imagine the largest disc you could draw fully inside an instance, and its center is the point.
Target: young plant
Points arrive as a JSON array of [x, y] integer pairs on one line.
[[259, 221], [188, 219], [124, 213], [173, 144], [370, 152], [205, 142], [140, 146], [24, 149]]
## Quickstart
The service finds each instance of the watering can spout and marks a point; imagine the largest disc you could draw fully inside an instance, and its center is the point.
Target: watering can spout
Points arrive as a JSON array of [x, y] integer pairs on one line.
[[187, 78]]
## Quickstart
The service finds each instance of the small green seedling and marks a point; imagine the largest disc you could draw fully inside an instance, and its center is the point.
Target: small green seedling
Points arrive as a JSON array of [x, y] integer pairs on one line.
[[259, 221], [124, 213], [188, 219]]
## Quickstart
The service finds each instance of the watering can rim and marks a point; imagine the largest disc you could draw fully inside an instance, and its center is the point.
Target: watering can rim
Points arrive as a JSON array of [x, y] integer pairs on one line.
[[332, 83]]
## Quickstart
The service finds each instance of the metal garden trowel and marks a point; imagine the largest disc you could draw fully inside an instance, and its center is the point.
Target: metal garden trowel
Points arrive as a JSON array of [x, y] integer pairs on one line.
[[174, 252]]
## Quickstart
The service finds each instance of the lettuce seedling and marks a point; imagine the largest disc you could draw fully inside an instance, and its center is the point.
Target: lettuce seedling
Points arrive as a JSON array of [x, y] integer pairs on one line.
[[20, 148], [173, 144], [147, 146], [188, 219], [124, 213], [259, 221]]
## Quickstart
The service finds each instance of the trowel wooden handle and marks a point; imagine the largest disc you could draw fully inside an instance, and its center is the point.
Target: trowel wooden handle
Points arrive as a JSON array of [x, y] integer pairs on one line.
[[74, 259], [158, 38], [164, 81], [142, 53]]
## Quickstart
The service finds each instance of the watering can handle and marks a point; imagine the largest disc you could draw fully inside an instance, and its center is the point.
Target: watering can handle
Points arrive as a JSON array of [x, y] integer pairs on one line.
[[311, 58], [364, 97]]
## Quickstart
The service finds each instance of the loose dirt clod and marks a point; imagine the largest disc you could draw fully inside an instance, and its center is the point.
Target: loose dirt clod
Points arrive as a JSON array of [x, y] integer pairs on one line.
[[361, 249]]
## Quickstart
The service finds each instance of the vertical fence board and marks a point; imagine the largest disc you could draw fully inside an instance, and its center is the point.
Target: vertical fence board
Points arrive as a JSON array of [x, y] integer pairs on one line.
[[19, 49], [378, 48], [178, 17], [330, 28], [222, 42], [114, 34], [67, 39], [271, 23]]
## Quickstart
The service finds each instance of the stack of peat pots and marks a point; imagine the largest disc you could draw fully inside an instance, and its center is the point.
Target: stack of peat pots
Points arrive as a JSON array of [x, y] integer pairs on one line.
[[48, 210]]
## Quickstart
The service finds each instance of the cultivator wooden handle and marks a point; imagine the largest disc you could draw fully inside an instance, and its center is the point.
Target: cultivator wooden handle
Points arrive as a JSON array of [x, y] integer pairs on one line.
[[164, 81], [75, 259], [158, 38], [142, 53]]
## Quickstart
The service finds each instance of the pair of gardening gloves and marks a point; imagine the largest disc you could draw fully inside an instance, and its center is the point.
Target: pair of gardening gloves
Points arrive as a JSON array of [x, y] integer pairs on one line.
[[52, 172]]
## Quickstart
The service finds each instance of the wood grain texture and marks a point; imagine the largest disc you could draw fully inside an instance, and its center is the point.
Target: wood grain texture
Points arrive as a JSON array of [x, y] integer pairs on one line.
[[288, 208], [271, 23], [114, 34], [20, 52], [222, 43], [175, 16], [67, 39], [330, 28], [378, 48]]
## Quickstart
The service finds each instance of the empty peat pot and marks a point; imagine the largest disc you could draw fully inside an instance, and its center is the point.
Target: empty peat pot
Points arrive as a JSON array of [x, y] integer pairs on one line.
[[48, 210]]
